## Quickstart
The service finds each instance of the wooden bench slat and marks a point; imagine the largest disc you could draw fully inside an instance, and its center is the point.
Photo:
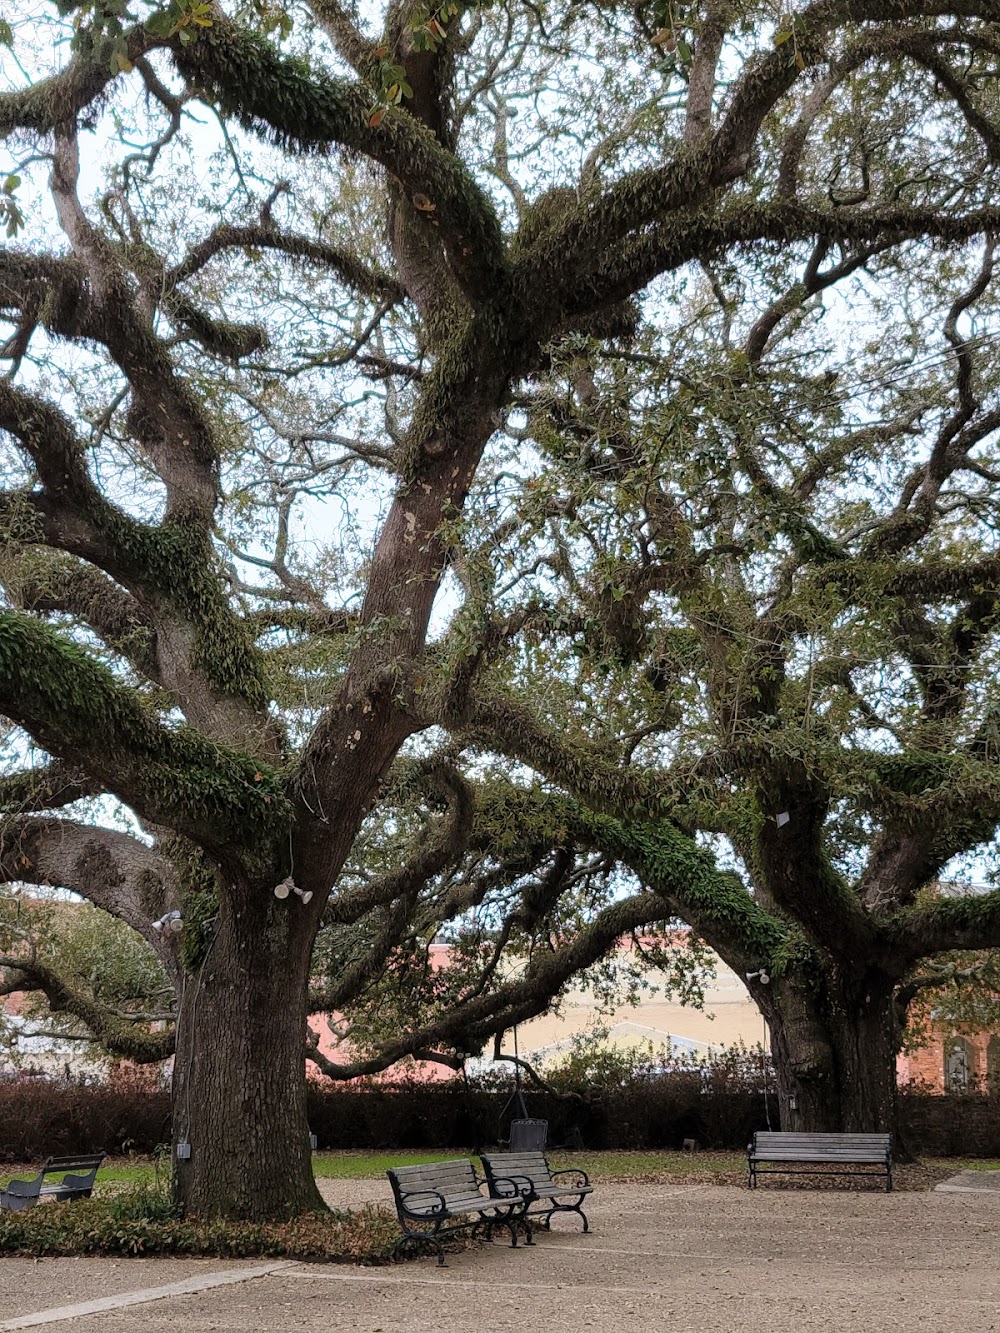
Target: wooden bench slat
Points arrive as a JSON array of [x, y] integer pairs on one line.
[[77, 1175]]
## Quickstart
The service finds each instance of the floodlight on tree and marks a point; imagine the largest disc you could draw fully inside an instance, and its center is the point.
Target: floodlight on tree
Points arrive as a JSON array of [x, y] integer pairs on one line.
[[288, 886], [171, 921]]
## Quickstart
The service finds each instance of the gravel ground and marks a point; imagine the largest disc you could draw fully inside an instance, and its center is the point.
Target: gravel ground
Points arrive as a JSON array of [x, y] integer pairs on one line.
[[688, 1258]]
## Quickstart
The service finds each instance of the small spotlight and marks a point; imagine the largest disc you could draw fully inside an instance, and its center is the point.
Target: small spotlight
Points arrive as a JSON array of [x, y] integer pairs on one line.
[[172, 921], [288, 886], [760, 975]]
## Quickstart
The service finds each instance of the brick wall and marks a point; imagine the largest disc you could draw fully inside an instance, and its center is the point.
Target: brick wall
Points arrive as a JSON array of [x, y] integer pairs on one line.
[[926, 1066]]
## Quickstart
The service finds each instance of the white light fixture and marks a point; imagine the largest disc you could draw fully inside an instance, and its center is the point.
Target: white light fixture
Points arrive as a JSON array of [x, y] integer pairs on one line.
[[172, 921], [760, 975], [288, 886]]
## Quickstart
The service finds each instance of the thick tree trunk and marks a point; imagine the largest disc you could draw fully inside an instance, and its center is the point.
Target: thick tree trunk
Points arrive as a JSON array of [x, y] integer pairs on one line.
[[802, 1053], [834, 1051], [240, 1133], [863, 1027]]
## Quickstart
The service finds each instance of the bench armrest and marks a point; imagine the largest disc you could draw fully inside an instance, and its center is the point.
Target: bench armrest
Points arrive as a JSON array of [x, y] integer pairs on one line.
[[23, 1188], [582, 1177], [512, 1187], [439, 1209]]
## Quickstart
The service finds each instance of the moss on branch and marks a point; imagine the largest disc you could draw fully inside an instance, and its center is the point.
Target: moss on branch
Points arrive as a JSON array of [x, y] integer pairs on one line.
[[44, 787], [941, 925], [283, 98], [660, 854], [79, 711]]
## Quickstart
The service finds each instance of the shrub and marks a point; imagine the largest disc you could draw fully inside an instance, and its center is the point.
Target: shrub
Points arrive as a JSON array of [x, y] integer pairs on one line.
[[142, 1221], [607, 1105], [39, 1118]]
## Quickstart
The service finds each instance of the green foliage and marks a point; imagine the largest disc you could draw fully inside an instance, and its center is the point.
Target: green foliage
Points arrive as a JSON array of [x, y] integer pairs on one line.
[[142, 1222], [199, 884], [594, 1065], [177, 771], [180, 18], [962, 997]]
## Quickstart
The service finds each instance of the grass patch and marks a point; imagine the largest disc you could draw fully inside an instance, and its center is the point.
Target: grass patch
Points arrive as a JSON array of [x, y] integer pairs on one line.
[[652, 1167], [371, 1165]]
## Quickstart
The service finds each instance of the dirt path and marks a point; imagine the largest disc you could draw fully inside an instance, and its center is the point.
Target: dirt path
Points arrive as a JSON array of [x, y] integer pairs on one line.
[[691, 1259]]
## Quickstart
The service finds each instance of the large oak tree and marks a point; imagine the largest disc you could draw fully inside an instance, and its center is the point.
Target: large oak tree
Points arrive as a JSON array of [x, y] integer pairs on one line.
[[409, 219]]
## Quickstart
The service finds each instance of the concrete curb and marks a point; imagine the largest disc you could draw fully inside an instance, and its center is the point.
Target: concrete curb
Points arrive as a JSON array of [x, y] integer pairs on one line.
[[204, 1282]]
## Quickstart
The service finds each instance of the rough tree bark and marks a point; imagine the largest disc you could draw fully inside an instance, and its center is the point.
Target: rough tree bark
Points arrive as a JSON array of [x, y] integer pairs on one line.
[[239, 1086], [834, 1045]]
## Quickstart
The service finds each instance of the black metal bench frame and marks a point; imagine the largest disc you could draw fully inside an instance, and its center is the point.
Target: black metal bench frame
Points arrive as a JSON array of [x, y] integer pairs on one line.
[[532, 1169], [837, 1152], [78, 1176], [426, 1205]]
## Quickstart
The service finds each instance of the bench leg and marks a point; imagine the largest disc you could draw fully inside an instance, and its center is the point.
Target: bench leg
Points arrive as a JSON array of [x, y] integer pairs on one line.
[[420, 1238], [566, 1208], [512, 1221]]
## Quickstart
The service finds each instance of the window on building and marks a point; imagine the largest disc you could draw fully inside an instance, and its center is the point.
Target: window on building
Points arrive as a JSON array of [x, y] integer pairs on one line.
[[993, 1065], [957, 1064]]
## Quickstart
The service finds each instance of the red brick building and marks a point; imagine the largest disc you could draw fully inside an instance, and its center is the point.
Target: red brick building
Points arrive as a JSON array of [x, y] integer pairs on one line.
[[951, 1063]]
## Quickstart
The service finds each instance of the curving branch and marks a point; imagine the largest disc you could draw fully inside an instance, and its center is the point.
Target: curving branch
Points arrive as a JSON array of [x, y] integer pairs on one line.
[[113, 870], [470, 1023], [944, 926], [441, 844], [44, 787], [266, 235], [116, 1034], [84, 716], [282, 99]]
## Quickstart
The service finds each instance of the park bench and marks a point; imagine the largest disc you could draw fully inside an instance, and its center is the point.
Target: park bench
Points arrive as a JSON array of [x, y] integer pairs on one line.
[[443, 1198], [839, 1153], [557, 1191], [77, 1182]]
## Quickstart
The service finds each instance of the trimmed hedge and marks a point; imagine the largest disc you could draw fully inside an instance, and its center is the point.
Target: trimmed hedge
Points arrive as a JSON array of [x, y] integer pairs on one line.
[[38, 1118], [649, 1113], [41, 1119]]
